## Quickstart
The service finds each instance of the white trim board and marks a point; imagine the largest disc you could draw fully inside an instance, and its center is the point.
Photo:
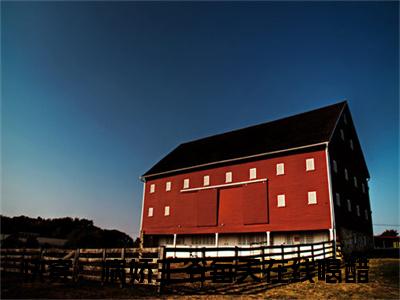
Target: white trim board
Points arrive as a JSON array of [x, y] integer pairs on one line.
[[223, 185]]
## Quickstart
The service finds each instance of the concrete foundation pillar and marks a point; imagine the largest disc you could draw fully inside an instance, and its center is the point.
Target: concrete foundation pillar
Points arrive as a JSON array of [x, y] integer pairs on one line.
[[174, 240], [331, 235]]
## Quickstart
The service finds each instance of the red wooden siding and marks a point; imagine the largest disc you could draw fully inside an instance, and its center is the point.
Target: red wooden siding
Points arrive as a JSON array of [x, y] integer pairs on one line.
[[185, 210], [230, 207], [255, 208], [207, 207], [195, 212]]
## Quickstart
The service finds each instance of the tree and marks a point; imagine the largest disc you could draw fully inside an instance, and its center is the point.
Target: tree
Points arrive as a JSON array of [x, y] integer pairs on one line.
[[390, 232]]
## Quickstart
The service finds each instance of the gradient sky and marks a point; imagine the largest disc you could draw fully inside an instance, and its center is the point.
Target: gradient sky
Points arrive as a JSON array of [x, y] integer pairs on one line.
[[95, 93]]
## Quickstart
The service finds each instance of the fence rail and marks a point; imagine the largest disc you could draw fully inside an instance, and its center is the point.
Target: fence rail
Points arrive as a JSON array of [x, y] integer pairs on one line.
[[87, 264], [236, 264], [164, 265], [316, 250]]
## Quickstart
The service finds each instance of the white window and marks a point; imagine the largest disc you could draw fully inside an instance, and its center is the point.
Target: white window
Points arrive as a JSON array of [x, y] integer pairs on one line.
[[186, 183], [310, 164], [312, 197], [280, 169], [152, 188], [206, 180], [168, 186], [335, 166], [281, 201], [348, 205], [150, 212], [337, 199], [351, 145], [253, 173], [366, 214], [346, 174], [228, 177], [355, 181], [166, 211], [358, 210], [342, 134], [363, 187]]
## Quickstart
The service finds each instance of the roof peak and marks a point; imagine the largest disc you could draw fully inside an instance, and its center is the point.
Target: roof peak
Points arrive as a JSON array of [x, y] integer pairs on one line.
[[341, 103], [296, 131]]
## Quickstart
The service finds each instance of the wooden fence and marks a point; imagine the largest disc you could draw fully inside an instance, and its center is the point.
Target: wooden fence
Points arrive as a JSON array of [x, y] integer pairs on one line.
[[164, 266], [87, 264], [216, 265], [317, 250]]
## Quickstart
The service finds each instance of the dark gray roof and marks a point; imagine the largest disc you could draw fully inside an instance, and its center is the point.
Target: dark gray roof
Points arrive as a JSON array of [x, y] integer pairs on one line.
[[304, 129]]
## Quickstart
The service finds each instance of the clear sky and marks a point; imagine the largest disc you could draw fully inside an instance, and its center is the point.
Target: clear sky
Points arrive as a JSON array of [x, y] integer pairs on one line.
[[95, 93]]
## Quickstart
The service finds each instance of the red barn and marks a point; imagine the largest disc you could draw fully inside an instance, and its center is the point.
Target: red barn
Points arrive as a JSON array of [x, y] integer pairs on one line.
[[294, 180]]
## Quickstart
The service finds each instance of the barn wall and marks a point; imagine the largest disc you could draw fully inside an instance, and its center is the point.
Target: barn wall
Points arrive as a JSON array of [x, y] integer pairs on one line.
[[190, 214], [346, 153]]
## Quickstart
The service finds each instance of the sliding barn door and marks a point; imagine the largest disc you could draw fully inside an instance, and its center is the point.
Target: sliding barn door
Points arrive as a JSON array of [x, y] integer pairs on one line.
[[243, 205]]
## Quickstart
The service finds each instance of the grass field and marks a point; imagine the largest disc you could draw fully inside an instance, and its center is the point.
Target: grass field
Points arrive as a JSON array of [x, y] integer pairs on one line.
[[383, 284]]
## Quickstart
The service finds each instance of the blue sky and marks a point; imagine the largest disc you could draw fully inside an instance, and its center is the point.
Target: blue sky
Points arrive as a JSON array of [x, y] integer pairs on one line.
[[95, 93]]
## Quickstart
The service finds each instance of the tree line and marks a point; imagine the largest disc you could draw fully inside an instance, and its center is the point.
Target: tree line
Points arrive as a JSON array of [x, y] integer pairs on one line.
[[24, 231]]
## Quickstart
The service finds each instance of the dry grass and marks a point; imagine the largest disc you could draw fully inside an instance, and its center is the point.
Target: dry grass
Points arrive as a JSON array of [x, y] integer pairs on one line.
[[383, 284]]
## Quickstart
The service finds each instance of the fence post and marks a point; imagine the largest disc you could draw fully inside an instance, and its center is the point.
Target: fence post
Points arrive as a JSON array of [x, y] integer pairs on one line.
[[21, 265], [262, 260], [42, 263], [236, 258], [298, 251], [283, 252], [323, 248], [5, 260], [334, 246], [75, 266], [123, 253], [161, 269], [312, 252]]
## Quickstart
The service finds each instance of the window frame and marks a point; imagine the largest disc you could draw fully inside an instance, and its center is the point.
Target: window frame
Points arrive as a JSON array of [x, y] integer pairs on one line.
[[312, 197], [228, 177], [281, 200], [167, 211], [252, 173], [337, 198], [280, 169], [335, 167], [310, 162], [348, 205], [150, 212], [186, 183]]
